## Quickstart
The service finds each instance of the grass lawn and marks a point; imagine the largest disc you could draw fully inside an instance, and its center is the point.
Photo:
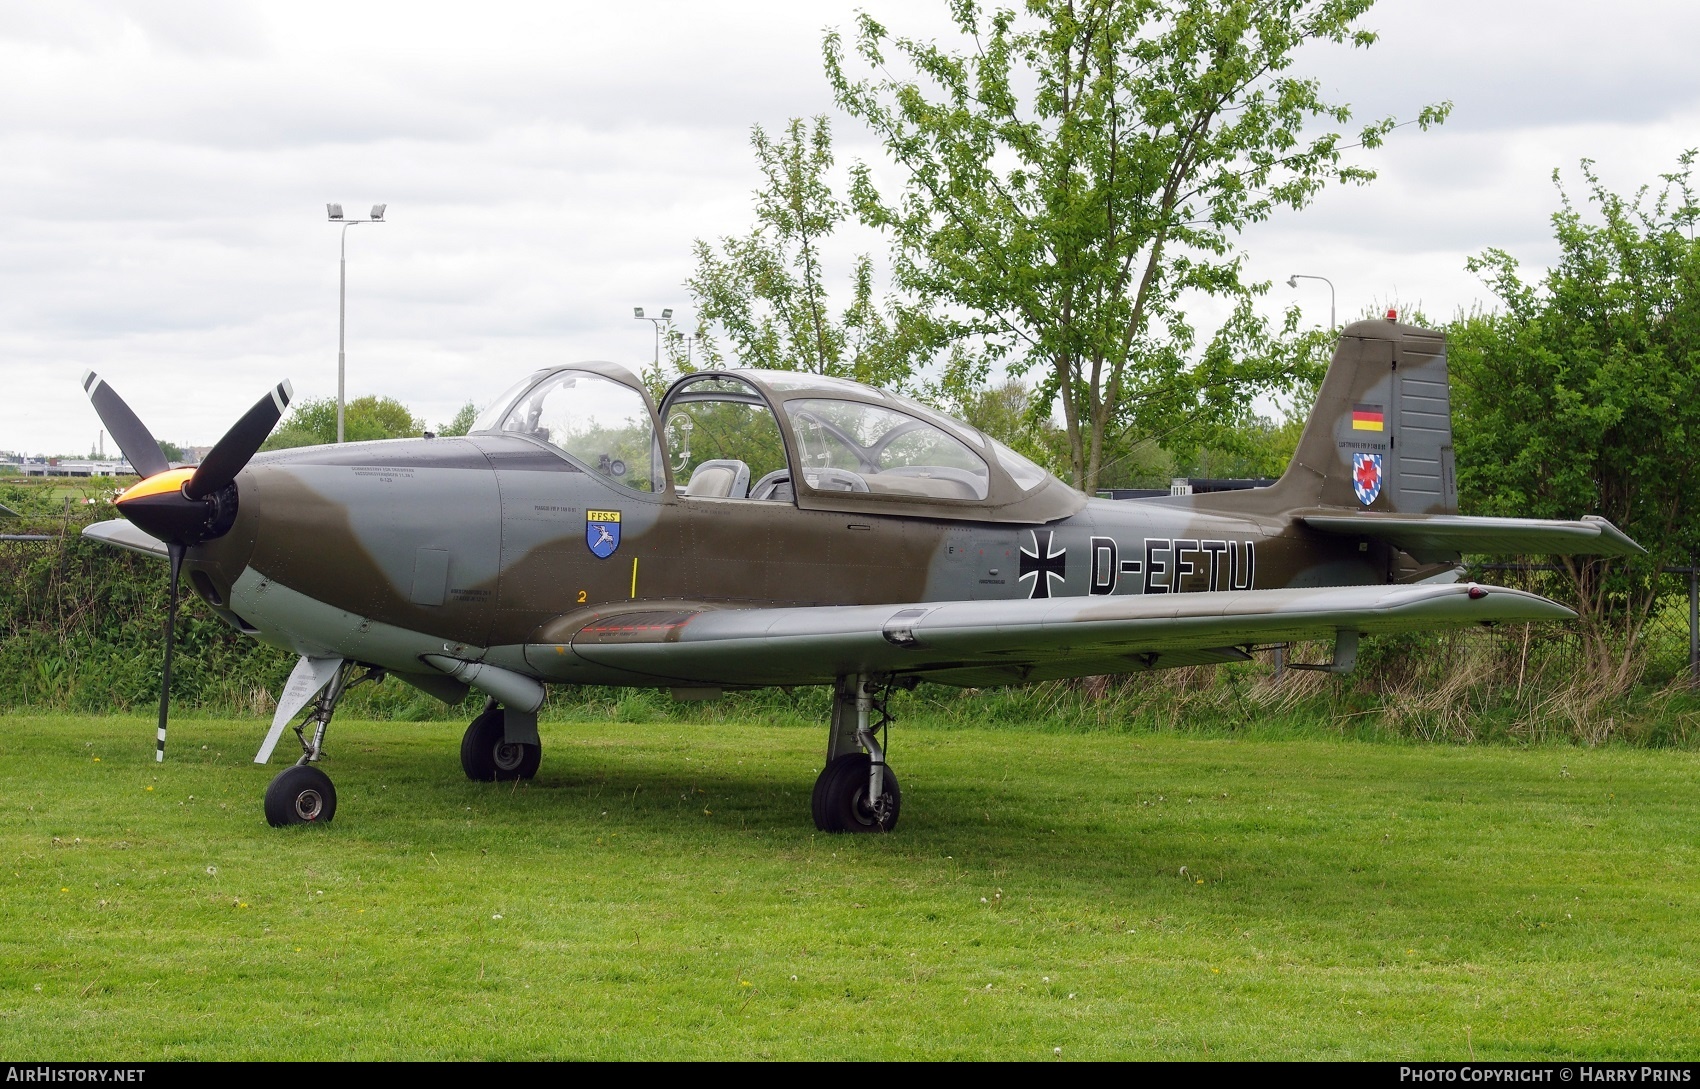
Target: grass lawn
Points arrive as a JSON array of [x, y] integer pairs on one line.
[[659, 891]]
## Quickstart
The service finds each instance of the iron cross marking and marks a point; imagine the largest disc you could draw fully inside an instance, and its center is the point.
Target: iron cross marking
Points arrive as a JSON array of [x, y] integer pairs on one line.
[[1042, 564]]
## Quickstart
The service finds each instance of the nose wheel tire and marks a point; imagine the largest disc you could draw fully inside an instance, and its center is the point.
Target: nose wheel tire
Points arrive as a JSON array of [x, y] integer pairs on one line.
[[840, 801], [487, 756], [300, 795]]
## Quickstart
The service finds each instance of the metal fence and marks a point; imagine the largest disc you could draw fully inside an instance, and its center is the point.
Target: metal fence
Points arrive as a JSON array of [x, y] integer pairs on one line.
[[1669, 642], [1534, 656]]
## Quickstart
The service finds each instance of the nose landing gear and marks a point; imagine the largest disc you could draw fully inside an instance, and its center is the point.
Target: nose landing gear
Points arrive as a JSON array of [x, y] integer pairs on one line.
[[302, 794]]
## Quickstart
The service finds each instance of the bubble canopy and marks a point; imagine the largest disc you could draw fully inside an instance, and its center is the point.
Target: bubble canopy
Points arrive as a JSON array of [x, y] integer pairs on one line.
[[816, 442], [854, 448]]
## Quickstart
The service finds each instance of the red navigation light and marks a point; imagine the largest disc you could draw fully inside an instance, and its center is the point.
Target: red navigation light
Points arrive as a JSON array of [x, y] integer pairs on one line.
[[1392, 314]]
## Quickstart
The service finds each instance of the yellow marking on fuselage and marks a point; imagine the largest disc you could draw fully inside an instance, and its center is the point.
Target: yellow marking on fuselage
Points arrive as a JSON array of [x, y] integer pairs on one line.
[[602, 515], [634, 578], [169, 481]]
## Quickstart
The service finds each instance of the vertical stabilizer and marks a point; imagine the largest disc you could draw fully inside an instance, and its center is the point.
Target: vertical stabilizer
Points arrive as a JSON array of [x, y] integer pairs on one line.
[[1380, 435]]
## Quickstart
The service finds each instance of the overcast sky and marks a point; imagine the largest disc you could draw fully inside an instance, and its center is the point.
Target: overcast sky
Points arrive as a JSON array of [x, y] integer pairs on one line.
[[164, 167]]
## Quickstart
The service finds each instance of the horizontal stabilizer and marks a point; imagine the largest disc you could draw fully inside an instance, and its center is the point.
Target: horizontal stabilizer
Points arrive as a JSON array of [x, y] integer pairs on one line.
[[972, 641], [123, 534], [1436, 538]]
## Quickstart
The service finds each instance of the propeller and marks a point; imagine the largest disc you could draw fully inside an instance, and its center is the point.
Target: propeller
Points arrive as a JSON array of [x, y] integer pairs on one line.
[[126, 429], [182, 507]]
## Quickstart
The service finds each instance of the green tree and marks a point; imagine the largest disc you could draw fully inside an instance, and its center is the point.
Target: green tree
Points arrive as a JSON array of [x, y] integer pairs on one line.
[[1007, 413], [763, 297], [311, 423], [462, 422], [1083, 166], [1583, 396]]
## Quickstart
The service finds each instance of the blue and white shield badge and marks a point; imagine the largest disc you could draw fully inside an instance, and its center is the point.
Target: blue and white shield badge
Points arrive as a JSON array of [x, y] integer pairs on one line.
[[1366, 477], [602, 532]]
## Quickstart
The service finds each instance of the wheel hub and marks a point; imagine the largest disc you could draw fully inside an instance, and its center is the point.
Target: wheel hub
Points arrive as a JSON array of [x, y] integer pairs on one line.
[[309, 804]]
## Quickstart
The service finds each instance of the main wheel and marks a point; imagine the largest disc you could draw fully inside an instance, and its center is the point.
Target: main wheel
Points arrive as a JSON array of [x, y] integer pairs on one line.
[[487, 756], [300, 795], [840, 801]]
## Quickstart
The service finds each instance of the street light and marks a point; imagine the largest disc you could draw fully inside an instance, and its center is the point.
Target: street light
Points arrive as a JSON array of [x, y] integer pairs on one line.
[[334, 213], [666, 316], [1293, 281]]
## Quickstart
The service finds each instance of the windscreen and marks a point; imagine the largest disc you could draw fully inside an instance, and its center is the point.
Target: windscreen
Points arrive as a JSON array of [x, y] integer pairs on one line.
[[601, 424]]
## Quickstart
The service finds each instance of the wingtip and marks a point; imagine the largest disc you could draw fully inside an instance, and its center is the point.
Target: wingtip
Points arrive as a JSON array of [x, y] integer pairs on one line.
[[1622, 543]]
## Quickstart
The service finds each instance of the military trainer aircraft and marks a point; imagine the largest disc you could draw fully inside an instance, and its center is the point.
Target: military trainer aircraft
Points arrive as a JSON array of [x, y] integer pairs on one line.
[[764, 528]]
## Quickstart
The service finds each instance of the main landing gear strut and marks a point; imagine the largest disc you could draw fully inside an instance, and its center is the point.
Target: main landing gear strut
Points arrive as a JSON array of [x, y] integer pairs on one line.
[[856, 791], [302, 794]]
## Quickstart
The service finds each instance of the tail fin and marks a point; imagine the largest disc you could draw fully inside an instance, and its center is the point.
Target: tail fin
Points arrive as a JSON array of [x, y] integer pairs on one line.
[[1380, 439], [1380, 435]]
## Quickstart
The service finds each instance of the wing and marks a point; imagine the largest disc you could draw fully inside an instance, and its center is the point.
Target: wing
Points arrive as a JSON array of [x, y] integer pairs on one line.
[[1435, 538], [122, 534], [1002, 642]]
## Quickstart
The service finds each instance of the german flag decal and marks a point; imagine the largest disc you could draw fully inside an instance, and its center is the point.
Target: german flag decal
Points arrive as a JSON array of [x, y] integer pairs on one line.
[[1367, 418]]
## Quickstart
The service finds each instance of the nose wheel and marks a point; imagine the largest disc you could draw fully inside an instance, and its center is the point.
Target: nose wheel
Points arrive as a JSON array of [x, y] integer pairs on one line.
[[486, 754], [300, 795], [303, 794]]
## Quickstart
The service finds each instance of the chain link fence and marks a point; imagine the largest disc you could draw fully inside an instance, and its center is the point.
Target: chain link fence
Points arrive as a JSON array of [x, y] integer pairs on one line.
[[1668, 647], [1519, 658]]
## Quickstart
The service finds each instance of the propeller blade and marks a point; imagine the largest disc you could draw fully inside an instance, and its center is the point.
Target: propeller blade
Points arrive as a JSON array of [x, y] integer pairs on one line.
[[225, 460], [176, 553], [127, 430]]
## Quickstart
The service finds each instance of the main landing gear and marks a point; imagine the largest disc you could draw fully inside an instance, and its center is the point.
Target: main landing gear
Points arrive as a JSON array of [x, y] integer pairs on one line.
[[501, 745], [303, 794], [856, 791]]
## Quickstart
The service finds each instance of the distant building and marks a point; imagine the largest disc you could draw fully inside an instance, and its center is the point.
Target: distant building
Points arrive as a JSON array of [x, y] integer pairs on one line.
[[77, 467]]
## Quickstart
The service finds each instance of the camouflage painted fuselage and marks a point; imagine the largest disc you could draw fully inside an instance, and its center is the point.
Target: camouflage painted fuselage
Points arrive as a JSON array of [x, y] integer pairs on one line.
[[502, 547]]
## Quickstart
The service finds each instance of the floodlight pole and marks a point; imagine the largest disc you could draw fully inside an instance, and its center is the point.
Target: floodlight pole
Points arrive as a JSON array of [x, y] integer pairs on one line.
[[342, 306], [666, 316], [1293, 281]]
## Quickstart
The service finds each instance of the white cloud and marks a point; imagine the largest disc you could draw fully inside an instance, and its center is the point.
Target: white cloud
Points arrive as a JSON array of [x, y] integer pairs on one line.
[[163, 169]]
